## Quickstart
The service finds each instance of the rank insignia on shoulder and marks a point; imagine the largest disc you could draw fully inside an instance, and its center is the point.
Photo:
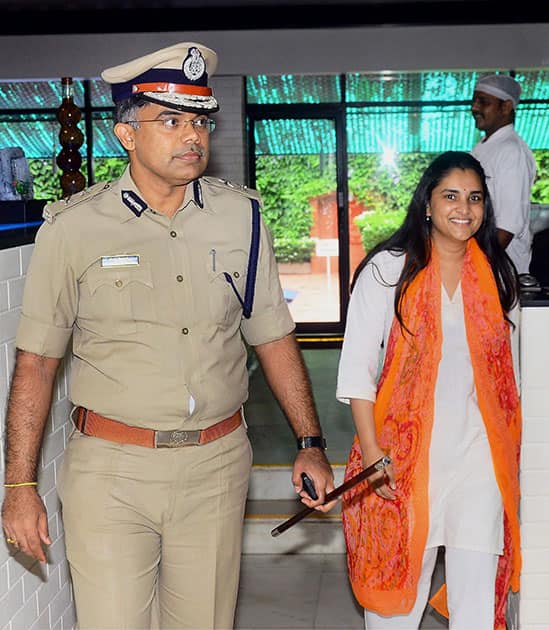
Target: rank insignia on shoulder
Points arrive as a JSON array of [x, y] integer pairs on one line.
[[134, 202], [51, 210], [228, 185], [197, 193]]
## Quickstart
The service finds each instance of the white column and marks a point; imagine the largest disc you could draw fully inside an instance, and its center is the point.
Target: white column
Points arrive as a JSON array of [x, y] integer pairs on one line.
[[534, 475]]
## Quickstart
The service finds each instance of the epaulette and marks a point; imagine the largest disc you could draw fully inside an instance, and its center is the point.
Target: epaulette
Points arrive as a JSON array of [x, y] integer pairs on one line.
[[51, 210], [225, 184]]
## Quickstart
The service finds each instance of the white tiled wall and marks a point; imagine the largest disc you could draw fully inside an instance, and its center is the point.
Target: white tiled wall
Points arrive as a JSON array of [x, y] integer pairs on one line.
[[534, 507], [33, 596]]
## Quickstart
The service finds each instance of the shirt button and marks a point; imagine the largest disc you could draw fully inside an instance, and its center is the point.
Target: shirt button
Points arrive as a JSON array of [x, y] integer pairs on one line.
[[118, 283], [236, 274], [173, 234], [179, 278], [185, 331]]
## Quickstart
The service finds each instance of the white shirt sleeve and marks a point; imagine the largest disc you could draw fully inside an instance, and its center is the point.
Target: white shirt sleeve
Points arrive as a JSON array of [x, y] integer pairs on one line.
[[369, 319], [511, 189]]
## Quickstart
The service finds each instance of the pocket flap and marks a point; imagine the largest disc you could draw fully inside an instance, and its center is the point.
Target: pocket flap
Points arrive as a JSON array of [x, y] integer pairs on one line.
[[119, 277]]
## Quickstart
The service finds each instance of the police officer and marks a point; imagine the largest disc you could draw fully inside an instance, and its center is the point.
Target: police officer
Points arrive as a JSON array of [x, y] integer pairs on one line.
[[157, 278]]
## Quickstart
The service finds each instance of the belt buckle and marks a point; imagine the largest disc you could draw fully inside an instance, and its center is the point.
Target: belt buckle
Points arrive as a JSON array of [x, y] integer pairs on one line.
[[177, 438]]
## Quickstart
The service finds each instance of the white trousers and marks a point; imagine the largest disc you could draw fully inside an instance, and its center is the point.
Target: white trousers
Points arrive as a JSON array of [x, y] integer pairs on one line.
[[471, 583]]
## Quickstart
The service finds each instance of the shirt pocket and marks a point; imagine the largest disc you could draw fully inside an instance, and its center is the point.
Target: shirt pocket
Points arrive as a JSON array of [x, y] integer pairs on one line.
[[227, 285], [115, 299]]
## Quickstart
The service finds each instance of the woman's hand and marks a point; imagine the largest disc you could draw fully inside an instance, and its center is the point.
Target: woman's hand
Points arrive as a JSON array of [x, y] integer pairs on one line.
[[383, 482]]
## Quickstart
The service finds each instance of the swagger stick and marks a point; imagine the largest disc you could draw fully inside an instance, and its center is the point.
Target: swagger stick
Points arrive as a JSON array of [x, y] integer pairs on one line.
[[373, 468]]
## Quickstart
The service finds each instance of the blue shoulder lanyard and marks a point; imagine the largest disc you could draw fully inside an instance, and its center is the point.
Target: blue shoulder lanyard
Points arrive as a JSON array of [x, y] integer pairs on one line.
[[247, 302]]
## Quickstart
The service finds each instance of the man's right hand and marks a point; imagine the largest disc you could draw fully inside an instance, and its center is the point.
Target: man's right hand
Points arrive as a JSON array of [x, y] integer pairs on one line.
[[25, 520]]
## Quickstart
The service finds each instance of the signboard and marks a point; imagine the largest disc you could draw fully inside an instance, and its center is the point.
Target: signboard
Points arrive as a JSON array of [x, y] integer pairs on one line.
[[327, 247]]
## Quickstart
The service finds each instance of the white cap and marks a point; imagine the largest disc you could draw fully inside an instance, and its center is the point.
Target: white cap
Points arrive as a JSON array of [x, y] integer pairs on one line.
[[501, 86]]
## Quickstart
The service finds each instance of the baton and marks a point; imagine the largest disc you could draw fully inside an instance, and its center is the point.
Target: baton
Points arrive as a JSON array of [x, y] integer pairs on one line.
[[373, 468]]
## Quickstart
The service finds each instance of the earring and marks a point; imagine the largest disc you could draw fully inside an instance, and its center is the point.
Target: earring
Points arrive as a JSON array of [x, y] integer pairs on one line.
[[428, 218]]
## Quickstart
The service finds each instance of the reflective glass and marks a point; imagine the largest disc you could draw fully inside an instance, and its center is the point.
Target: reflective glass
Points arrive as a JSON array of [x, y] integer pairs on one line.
[[266, 89], [297, 178]]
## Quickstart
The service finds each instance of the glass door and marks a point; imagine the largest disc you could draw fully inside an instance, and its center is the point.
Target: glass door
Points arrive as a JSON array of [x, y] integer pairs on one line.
[[296, 167]]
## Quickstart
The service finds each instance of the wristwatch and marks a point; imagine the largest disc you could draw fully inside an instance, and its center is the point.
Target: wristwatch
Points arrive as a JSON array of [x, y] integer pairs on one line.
[[311, 442]]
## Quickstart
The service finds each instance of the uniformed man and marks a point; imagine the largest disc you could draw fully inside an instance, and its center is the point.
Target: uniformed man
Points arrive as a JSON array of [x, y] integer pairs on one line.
[[158, 278]]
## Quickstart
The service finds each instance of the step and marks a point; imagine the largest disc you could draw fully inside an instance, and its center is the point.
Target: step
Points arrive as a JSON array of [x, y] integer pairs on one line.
[[272, 500], [317, 533], [274, 482]]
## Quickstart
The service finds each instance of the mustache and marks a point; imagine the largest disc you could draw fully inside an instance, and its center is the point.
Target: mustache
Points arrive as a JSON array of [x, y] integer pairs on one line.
[[194, 148]]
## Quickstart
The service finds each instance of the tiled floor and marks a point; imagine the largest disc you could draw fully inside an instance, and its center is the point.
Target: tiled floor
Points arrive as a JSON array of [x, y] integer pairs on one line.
[[303, 591]]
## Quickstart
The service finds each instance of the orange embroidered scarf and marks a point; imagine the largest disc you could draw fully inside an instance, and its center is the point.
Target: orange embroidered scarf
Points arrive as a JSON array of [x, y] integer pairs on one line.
[[386, 539]]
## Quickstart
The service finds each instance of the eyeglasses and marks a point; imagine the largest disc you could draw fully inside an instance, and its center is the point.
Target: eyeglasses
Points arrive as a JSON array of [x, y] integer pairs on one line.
[[174, 123]]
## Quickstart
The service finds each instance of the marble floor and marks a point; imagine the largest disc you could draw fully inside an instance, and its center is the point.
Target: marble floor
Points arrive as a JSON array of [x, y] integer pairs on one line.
[[304, 591]]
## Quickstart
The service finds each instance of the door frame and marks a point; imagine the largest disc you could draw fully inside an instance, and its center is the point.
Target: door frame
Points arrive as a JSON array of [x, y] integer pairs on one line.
[[330, 333]]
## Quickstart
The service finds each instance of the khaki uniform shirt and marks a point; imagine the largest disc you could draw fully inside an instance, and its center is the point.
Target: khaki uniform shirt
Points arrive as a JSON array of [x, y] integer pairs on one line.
[[156, 328]]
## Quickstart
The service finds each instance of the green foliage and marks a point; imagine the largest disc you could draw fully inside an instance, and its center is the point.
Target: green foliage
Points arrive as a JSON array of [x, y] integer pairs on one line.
[[46, 180], [385, 188], [45, 183], [107, 169], [540, 189], [376, 226], [286, 183], [294, 249]]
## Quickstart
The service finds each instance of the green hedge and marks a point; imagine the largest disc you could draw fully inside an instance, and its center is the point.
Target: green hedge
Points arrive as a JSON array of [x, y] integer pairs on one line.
[[376, 226], [294, 249], [46, 175]]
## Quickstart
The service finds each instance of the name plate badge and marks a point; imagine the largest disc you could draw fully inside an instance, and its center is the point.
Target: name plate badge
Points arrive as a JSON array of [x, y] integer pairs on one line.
[[119, 261]]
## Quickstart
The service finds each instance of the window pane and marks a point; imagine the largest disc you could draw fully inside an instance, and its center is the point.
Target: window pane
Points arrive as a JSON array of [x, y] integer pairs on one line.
[[534, 83], [105, 142], [288, 88], [100, 93], [532, 124], [36, 133], [405, 129], [296, 174], [398, 87], [36, 94], [294, 137]]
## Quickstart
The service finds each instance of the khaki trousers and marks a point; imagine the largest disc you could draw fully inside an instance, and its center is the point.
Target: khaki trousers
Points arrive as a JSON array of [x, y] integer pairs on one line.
[[162, 525]]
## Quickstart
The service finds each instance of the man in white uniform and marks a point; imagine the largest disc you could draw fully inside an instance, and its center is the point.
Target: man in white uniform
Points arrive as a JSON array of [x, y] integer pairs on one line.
[[508, 162]]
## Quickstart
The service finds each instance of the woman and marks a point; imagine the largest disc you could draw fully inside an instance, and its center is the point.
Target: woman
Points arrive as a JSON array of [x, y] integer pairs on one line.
[[431, 306]]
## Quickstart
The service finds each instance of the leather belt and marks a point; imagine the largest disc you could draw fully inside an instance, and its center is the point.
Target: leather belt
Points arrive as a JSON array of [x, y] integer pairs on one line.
[[91, 423]]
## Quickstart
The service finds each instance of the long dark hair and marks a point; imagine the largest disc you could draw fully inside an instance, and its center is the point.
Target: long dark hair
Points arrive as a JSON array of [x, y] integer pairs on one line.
[[413, 237]]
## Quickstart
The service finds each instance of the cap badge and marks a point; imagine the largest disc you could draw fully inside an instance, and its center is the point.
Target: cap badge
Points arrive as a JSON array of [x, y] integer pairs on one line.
[[194, 65]]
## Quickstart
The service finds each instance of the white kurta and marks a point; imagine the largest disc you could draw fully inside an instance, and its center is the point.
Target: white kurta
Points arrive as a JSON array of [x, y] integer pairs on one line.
[[465, 503]]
